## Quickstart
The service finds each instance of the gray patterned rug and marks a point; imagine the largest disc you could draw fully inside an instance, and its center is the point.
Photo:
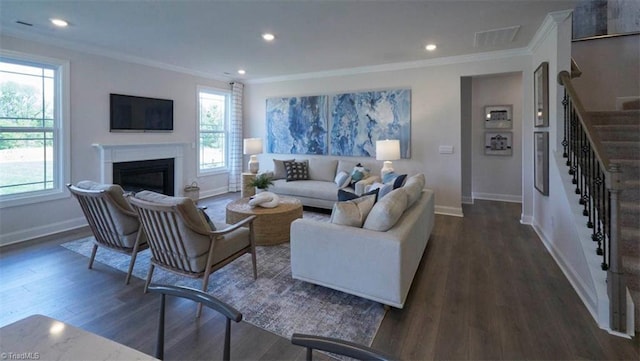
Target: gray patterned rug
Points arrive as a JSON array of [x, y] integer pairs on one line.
[[275, 301]]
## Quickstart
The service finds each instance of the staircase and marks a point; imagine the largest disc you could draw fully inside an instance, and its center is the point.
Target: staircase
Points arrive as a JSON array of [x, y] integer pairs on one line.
[[619, 133]]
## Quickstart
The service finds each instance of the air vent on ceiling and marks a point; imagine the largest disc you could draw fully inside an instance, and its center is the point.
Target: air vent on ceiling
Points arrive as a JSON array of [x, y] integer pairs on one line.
[[23, 23], [495, 37]]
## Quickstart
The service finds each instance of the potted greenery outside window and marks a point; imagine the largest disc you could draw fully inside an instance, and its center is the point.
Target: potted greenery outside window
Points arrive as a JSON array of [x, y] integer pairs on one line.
[[261, 182]]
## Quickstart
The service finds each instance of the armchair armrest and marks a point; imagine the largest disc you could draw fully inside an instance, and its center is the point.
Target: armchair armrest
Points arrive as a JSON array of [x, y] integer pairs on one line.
[[361, 185], [233, 227], [337, 346]]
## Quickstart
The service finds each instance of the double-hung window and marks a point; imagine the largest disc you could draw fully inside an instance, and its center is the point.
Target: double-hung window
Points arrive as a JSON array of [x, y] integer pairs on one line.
[[33, 128], [213, 122]]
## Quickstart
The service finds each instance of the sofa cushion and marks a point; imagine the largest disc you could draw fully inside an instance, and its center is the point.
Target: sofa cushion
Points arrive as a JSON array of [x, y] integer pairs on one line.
[[322, 169], [347, 196], [414, 186], [352, 213], [296, 171], [306, 189], [387, 211], [342, 179], [279, 171]]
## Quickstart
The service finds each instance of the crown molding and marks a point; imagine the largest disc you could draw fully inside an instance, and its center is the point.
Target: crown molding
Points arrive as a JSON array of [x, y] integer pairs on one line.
[[468, 58], [93, 50], [550, 23]]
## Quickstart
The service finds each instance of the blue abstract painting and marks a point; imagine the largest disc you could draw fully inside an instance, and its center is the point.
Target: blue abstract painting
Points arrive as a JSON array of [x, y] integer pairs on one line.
[[297, 125], [359, 119]]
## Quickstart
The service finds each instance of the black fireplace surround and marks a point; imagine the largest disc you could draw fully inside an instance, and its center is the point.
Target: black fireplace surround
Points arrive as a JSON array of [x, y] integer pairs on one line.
[[155, 175]]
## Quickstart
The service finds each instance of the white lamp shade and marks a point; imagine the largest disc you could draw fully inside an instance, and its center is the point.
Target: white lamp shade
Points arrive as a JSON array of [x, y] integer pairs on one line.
[[388, 149], [252, 146]]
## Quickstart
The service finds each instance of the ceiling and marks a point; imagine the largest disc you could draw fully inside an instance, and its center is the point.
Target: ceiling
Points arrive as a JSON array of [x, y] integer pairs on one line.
[[216, 38]]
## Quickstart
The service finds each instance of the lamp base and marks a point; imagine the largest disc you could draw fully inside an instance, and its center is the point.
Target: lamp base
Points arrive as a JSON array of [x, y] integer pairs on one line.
[[387, 167], [254, 165]]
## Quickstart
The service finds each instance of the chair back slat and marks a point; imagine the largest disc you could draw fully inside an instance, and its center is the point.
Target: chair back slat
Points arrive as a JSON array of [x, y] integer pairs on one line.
[[102, 224], [167, 242]]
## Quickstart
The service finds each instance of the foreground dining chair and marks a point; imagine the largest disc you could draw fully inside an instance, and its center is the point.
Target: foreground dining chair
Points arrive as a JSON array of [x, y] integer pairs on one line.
[[184, 242], [198, 296], [338, 347], [113, 222]]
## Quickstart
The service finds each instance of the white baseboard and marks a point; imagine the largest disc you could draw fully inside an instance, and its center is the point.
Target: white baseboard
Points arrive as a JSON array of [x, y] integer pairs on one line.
[[497, 197], [467, 200], [449, 211], [36, 232], [214, 192], [524, 219]]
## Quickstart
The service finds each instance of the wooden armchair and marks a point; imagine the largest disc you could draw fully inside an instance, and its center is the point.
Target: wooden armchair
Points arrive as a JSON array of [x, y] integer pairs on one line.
[[338, 347], [114, 223], [182, 241]]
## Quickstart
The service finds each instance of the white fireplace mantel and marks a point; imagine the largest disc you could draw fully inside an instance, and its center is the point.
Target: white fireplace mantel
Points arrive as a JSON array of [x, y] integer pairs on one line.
[[115, 153]]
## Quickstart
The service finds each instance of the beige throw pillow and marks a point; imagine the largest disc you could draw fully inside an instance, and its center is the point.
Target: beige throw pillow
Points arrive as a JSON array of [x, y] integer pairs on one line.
[[279, 171], [354, 212], [414, 186], [386, 213]]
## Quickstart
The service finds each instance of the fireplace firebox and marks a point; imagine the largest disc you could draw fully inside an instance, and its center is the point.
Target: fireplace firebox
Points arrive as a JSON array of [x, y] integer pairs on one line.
[[155, 175]]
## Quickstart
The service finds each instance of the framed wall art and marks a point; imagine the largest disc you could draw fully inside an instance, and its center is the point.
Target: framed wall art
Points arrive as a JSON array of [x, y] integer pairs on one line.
[[541, 95], [498, 143], [541, 162], [498, 116], [297, 125]]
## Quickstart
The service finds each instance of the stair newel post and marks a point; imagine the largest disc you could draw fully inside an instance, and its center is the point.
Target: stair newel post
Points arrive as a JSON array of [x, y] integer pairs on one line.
[[616, 285]]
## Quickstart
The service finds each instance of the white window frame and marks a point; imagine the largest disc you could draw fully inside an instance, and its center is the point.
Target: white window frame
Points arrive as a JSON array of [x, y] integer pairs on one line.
[[62, 146], [227, 116]]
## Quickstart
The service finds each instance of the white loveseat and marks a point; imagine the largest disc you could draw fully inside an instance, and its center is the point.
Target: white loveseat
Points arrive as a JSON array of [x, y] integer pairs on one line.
[[377, 265], [320, 190]]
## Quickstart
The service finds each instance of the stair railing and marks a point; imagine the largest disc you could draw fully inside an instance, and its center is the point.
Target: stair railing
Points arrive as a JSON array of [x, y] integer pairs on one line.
[[598, 183]]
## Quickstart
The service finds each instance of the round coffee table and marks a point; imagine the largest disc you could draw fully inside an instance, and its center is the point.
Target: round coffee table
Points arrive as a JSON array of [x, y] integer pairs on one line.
[[272, 225]]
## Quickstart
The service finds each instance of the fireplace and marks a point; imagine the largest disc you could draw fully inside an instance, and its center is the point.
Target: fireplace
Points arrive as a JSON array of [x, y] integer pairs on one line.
[[111, 154], [155, 175]]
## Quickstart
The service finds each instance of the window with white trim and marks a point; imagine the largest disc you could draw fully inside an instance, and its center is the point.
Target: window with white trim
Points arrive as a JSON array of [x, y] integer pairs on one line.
[[213, 122], [33, 155]]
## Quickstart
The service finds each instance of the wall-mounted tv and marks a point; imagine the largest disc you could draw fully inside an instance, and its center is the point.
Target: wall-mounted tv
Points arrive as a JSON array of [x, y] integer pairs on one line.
[[140, 114]]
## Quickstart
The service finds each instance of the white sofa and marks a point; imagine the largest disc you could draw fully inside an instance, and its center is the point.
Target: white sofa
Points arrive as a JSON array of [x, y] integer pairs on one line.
[[320, 190], [377, 265]]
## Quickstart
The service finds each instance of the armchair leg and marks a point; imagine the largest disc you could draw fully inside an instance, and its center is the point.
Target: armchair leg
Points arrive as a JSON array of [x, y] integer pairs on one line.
[[134, 254], [93, 255], [149, 275], [205, 284]]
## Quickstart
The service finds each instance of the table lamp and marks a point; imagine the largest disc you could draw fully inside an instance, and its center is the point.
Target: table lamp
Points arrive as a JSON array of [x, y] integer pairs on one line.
[[387, 150], [253, 146]]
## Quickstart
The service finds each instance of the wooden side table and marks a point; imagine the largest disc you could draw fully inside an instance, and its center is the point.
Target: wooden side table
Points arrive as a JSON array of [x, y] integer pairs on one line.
[[272, 225], [247, 190]]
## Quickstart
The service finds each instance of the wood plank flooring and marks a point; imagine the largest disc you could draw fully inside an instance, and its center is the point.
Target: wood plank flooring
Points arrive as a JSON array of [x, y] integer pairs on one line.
[[486, 289]]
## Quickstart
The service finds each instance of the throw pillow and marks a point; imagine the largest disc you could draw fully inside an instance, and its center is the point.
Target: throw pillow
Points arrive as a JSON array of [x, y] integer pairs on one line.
[[352, 213], [383, 189], [359, 173], [386, 213], [342, 179], [397, 180], [296, 171], [207, 219], [347, 196], [279, 171], [414, 187]]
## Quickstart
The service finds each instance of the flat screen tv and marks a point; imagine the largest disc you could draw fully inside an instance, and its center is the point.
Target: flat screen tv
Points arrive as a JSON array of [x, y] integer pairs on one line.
[[140, 114]]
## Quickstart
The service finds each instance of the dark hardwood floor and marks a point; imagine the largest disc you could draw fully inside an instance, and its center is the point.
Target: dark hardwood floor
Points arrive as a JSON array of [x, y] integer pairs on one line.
[[486, 289]]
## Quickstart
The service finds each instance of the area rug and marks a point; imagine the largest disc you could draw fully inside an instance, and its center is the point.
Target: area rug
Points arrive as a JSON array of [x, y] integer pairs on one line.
[[275, 301]]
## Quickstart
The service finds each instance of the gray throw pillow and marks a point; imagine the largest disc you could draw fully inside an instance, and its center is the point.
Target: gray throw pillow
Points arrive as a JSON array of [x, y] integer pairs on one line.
[[296, 171], [352, 213], [387, 211], [279, 171]]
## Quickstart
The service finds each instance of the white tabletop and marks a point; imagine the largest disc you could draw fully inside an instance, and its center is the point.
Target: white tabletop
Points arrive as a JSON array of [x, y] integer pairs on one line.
[[39, 337]]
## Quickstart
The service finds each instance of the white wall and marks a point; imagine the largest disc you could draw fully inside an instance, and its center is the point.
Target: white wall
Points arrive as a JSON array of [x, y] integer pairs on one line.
[[610, 68], [553, 215], [92, 79], [435, 113], [496, 177]]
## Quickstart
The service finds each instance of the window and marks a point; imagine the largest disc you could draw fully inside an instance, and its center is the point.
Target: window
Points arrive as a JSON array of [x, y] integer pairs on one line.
[[33, 156], [213, 120]]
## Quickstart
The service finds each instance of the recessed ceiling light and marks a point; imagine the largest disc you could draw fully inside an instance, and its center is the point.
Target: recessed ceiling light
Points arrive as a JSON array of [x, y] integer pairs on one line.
[[268, 36], [59, 23], [241, 71], [431, 47]]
